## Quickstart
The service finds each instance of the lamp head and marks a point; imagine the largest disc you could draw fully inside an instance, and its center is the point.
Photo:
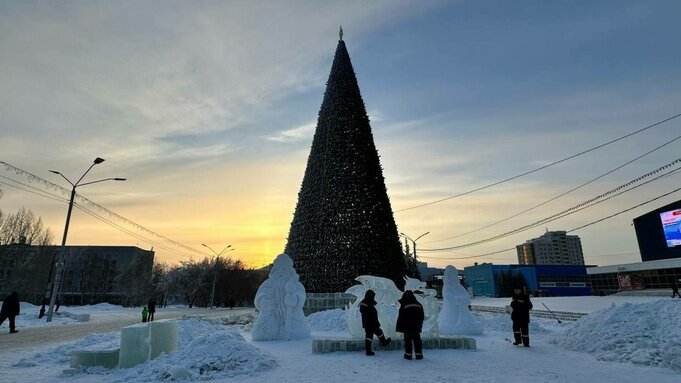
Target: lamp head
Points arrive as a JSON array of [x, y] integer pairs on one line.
[[98, 160], [54, 171], [119, 179]]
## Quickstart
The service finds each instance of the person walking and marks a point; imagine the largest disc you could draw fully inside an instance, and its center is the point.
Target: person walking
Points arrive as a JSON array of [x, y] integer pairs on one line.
[[145, 314], [152, 309], [675, 290], [520, 316], [10, 309], [409, 322], [370, 323]]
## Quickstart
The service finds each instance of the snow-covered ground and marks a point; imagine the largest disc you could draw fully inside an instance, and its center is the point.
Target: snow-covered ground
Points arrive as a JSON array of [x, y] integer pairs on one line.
[[626, 343], [584, 305]]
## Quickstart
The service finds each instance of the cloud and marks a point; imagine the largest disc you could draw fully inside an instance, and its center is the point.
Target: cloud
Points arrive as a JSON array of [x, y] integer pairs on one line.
[[299, 133]]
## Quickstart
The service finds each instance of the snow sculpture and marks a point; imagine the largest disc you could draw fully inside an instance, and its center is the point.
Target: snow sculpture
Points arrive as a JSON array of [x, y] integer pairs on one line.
[[279, 302], [455, 317], [387, 295], [427, 299]]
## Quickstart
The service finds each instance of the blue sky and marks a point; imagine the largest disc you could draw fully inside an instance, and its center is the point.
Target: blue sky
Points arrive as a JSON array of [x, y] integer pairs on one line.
[[209, 108]]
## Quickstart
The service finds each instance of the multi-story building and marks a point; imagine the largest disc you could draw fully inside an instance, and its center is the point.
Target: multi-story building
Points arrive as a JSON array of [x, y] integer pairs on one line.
[[91, 274], [491, 280], [552, 248]]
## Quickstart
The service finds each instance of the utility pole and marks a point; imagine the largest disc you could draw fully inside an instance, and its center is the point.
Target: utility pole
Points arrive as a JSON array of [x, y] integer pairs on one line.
[[61, 258], [215, 276], [413, 244]]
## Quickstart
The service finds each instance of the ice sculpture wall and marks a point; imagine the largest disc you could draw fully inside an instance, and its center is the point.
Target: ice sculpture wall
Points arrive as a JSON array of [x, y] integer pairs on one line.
[[144, 341], [387, 296]]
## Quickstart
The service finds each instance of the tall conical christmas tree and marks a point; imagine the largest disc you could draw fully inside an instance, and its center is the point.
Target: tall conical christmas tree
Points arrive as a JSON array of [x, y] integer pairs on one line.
[[343, 226]]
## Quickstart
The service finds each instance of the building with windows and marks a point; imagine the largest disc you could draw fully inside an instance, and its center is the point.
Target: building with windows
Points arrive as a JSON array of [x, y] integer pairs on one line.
[[487, 279], [659, 274], [92, 274], [658, 233], [552, 248]]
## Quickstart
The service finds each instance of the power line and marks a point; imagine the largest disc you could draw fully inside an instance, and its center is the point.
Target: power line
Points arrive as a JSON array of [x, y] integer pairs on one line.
[[89, 212], [128, 232], [50, 185], [513, 248], [50, 196], [539, 168], [118, 227], [560, 195], [568, 231], [623, 211], [574, 209]]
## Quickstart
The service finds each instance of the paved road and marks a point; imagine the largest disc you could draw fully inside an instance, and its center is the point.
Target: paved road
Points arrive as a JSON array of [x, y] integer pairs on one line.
[[34, 337]]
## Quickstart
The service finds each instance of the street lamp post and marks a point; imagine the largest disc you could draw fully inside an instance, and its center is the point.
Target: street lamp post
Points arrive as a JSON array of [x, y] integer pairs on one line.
[[413, 244], [60, 260], [215, 276]]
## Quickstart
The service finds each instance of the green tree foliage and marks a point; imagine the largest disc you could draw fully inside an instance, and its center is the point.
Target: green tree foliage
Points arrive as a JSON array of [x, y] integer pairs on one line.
[[507, 281], [343, 224]]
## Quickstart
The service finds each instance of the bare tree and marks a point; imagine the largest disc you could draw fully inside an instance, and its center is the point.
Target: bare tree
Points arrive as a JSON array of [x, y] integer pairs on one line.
[[160, 282], [23, 227], [192, 280]]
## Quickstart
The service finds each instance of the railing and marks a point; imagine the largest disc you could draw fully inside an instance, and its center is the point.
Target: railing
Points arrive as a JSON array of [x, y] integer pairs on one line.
[[562, 315]]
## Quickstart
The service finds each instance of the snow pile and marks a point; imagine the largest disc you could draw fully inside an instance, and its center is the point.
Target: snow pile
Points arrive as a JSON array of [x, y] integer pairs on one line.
[[503, 323], [645, 334], [28, 317], [101, 307], [206, 350], [328, 321], [221, 354], [194, 327], [238, 319], [62, 354]]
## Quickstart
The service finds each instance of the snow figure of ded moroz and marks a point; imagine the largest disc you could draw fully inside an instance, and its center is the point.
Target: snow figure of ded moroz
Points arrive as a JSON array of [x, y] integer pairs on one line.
[[279, 302], [455, 317]]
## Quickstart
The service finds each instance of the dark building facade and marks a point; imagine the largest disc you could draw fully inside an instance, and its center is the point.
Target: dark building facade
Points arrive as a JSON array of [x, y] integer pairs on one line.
[[92, 274], [659, 233]]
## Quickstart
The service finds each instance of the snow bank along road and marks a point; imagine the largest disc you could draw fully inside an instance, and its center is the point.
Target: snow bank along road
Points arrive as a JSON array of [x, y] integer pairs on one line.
[[31, 337]]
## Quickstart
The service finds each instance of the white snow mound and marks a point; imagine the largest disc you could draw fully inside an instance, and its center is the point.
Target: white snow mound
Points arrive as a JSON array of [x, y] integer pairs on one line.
[[503, 323], [646, 334], [62, 353], [328, 321], [214, 355]]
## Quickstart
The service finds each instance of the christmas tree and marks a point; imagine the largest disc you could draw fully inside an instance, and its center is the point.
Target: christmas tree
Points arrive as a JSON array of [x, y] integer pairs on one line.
[[343, 225]]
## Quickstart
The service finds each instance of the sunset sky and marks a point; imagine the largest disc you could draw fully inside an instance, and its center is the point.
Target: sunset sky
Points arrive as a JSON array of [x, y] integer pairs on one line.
[[208, 108]]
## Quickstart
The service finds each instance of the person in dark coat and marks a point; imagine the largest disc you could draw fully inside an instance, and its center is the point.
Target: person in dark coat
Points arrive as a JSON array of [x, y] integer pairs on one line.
[[675, 290], [10, 309], [367, 307], [151, 307], [520, 315], [409, 321]]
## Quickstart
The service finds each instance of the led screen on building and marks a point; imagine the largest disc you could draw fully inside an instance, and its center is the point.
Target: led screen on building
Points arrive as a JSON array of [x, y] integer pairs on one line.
[[671, 223]]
